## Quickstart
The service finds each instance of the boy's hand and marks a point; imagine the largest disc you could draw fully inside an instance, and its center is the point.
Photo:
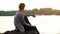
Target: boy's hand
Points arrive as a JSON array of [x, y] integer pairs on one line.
[[33, 15]]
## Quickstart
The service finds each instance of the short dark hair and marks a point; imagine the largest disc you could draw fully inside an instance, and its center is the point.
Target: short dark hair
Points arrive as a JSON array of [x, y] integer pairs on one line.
[[21, 5]]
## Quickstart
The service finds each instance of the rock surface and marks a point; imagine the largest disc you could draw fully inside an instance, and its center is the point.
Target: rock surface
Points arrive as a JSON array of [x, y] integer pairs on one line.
[[16, 32]]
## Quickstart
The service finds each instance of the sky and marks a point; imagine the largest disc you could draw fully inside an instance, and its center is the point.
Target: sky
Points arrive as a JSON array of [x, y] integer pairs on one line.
[[30, 4]]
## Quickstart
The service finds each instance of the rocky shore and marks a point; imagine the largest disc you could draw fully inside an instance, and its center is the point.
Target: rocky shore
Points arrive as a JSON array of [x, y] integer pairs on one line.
[[16, 32]]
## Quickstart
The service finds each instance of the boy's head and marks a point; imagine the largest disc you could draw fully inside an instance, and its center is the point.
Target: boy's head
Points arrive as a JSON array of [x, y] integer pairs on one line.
[[21, 6]]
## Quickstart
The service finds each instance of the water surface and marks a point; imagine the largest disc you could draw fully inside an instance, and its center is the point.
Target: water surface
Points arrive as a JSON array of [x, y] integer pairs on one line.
[[45, 24]]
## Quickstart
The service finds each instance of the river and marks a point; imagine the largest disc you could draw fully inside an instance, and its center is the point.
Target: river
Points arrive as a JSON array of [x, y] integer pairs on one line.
[[48, 24]]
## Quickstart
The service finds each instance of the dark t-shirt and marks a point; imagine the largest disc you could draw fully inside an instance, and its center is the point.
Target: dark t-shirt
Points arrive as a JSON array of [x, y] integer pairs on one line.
[[19, 21]]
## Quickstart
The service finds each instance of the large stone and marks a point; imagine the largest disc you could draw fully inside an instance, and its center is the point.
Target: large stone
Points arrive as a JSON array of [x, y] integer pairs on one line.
[[26, 32]]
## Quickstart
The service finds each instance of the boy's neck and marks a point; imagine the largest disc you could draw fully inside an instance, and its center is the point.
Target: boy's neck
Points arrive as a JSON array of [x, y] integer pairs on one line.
[[21, 10]]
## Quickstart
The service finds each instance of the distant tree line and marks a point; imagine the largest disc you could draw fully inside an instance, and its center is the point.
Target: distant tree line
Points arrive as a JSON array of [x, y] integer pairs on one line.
[[35, 11], [7, 13], [11, 13]]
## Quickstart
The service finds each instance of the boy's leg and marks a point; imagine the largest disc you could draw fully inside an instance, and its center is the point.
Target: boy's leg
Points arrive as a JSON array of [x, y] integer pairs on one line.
[[29, 28]]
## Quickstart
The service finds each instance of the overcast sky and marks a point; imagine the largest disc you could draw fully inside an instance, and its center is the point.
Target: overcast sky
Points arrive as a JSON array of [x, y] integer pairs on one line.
[[30, 4]]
